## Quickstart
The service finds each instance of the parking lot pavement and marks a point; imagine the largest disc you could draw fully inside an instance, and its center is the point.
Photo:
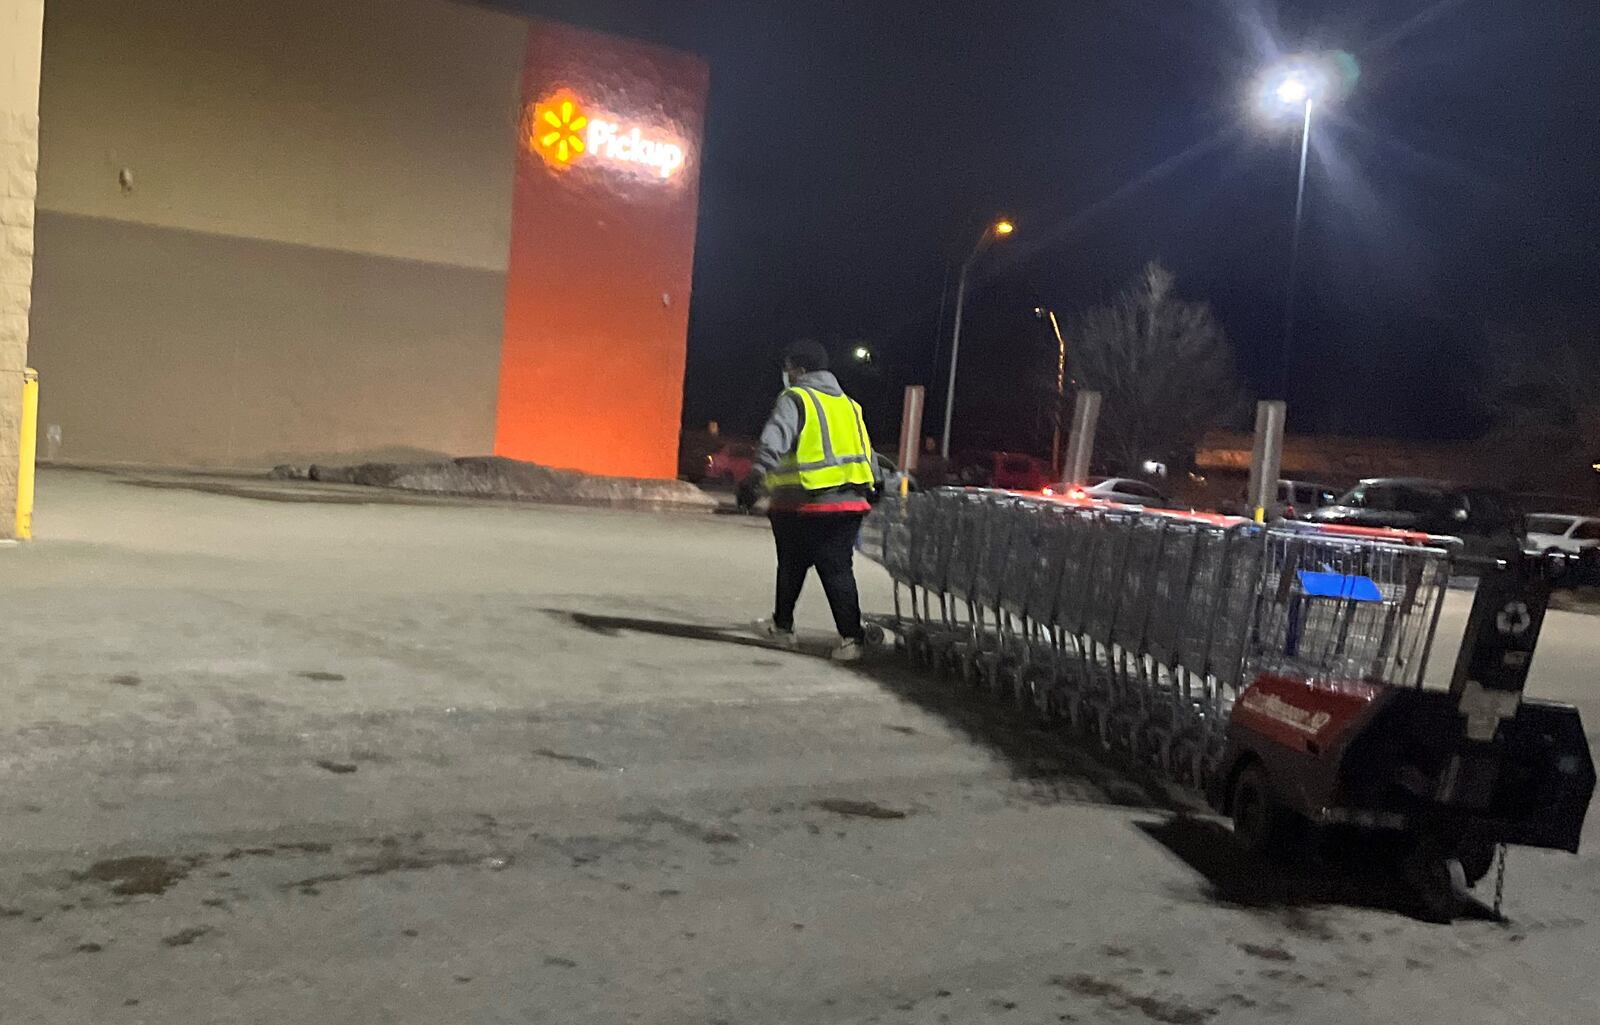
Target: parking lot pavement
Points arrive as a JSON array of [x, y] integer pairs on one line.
[[271, 761]]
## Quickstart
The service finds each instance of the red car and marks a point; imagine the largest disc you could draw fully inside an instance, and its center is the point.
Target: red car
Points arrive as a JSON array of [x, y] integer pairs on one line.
[[1015, 471], [731, 463]]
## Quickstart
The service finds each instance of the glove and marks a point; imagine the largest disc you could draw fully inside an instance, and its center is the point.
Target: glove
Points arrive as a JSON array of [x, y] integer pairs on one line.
[[749, 492]]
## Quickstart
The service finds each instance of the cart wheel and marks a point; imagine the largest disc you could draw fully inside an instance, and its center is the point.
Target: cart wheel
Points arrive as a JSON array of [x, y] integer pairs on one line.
[[874, 634], [1439, 882], [1044, 700], [1260, 822], [1022, 693], [1102, 727], [999, 680], [1476, 858]]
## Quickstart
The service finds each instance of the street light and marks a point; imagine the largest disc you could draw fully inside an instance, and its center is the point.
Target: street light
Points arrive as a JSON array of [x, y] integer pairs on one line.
[[999, 229], [1293, 88], [1061, 384], [861, 354]]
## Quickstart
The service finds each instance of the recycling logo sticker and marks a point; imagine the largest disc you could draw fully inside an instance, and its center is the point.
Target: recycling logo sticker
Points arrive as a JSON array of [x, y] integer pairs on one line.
[[1514, 619]]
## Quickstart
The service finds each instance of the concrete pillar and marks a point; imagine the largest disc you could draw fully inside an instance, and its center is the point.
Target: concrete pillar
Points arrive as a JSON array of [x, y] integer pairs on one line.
[[21, 31], [1080, 440]]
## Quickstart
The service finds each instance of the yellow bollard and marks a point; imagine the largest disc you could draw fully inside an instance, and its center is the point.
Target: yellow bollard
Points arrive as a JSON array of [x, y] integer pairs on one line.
[[27, 450]]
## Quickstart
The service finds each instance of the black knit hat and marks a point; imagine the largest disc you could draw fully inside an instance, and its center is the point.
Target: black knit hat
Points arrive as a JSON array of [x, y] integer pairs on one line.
[[807, 354]]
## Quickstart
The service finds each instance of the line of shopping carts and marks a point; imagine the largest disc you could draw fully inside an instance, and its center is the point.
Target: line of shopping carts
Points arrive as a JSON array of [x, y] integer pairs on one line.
[[1145, 626]]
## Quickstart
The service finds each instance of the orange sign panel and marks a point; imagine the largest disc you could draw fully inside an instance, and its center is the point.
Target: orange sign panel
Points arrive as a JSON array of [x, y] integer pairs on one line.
[[604, 211]]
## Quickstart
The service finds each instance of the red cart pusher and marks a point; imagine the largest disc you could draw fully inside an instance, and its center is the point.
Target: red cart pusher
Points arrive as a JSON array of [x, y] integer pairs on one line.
[[1463, 772], [1277, 670]]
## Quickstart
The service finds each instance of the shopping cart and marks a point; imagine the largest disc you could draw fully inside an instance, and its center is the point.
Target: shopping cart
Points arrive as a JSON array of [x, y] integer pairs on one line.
[[1276, 669]]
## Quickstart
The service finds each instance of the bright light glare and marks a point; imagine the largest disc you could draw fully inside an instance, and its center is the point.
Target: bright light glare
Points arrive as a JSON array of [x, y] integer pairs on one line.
[[862, 353], [1281, 91], [1293, 90], [1004, 228]]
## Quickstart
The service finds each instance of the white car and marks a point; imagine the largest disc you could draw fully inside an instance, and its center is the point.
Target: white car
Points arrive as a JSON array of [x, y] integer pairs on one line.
[[1126, 490], [1562, 533]]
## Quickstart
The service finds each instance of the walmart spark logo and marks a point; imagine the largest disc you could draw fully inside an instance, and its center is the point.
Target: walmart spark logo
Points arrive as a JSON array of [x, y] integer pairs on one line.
[[562, 131], [558, 129]]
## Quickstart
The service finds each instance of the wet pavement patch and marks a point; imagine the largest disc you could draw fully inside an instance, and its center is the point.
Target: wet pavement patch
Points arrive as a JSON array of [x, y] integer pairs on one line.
[[140, 874], [184, 937], [858, 809], [342, 768], [687, 827], [1117, 998], [578, 760], [321, 676], [560, 962], [88, 948], [126, 680], [392, 856], [1266, 953]]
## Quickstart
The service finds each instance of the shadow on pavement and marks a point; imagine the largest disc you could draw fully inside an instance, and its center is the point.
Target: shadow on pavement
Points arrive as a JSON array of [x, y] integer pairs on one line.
[[1328, 869], [1057, 765], [1370, 879], [1347, 869]]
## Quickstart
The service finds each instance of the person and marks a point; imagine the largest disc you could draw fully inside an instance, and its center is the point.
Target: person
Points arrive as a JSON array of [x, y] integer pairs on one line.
[[815, 458]]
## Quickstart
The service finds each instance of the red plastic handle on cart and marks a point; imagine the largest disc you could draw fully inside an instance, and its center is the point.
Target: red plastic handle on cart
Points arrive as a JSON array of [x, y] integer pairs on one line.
[[1383, 533]]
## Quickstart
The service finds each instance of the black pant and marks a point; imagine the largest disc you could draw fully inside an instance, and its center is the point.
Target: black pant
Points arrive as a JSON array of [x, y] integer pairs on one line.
[[828, 542]]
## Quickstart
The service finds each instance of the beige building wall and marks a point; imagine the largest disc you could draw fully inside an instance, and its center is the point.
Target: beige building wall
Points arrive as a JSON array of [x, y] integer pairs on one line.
[[19, 136], [272, 229]]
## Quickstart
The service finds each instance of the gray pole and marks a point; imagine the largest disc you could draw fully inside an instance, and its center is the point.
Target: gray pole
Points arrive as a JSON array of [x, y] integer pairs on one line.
[[1080, 442], [955, 352], [1294, 259], [1266, 459]]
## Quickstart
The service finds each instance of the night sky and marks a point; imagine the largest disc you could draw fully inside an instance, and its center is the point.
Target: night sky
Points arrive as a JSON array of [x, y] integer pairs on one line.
[[855, 150]]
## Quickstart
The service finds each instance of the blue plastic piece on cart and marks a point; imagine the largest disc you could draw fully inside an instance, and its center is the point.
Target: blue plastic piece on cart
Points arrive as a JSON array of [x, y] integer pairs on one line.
[[1339, 585]]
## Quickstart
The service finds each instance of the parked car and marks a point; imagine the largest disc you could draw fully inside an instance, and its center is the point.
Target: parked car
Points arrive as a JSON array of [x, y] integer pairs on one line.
[[731, 463], [1299, 498], [1486, 520], [1575, 535], [1294, 500], [1015, 471], [1126, 490]]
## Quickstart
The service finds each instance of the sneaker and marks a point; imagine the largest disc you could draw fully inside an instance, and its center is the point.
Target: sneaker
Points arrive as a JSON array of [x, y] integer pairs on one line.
[[767, 630], [849, 650]]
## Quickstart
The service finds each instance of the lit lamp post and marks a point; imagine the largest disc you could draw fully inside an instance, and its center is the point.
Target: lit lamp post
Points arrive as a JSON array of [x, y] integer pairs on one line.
[[1294, 88], [999, 229], [1043, 312]]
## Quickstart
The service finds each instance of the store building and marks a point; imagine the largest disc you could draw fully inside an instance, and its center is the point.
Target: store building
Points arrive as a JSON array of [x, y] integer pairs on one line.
[[338, 230]]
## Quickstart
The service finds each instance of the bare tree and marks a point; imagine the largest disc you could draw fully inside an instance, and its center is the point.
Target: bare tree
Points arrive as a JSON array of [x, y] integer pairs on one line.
[[1544, 397], [1164, 367]]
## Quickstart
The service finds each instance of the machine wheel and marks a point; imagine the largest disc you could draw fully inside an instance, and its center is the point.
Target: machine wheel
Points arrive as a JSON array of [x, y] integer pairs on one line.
[[875, 635], [1260, 822], [1439, 882], [1476, 858]]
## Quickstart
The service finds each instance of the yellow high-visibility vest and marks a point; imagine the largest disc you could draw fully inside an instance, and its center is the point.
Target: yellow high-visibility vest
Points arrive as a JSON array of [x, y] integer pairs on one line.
[[833, 448]]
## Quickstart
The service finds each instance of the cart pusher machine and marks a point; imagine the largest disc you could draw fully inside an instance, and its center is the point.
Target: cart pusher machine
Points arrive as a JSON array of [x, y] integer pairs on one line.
[[1276, 670]]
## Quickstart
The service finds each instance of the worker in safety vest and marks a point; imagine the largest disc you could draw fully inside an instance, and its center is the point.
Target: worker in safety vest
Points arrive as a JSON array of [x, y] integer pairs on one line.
[[816, 460]]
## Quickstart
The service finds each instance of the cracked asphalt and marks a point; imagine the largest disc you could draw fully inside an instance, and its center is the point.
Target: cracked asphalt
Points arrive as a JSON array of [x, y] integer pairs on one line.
[[278, 761]]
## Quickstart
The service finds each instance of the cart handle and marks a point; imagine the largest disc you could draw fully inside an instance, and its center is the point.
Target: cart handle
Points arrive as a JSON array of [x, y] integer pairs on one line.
[[1415, 537]]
